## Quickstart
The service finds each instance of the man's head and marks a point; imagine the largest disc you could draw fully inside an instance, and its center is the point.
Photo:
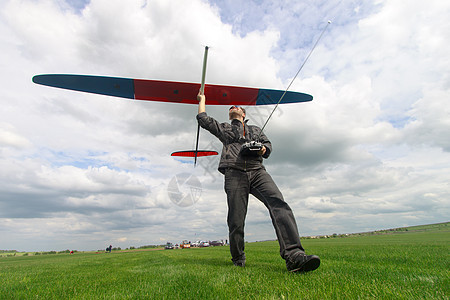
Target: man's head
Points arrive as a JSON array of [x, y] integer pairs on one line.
[[237, 112]]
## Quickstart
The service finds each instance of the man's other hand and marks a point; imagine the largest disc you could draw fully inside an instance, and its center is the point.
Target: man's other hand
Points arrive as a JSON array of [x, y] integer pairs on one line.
[[262, 151]]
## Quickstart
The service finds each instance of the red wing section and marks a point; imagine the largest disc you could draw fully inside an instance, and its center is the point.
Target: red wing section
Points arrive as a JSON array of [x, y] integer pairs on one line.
[[183, 92], [191, 153]]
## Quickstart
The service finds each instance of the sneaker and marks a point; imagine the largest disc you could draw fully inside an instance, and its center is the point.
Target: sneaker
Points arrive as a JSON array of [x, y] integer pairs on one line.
[[300, 262], [239, 263]]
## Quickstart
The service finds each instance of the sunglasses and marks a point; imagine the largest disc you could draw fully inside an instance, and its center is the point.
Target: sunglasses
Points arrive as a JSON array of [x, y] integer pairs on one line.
[[235, 106]]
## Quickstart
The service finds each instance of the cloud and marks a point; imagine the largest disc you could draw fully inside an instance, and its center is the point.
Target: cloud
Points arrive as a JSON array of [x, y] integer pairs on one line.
[[8, 138], [430, 120]]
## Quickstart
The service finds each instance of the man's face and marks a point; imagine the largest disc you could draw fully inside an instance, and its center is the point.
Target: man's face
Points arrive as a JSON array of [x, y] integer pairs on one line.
[[236, 112]]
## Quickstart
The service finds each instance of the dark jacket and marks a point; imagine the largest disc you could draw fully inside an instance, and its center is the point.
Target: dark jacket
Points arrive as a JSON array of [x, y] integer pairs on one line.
[[232, 137]]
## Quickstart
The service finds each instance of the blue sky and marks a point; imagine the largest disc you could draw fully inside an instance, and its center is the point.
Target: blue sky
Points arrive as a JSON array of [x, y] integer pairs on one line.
[[81, 171]]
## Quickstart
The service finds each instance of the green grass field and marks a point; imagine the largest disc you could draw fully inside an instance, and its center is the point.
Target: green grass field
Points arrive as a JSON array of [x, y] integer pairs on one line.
[[411, 264]]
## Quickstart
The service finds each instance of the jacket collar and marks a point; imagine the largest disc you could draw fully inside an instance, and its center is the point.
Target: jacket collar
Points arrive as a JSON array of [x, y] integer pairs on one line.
[[236, 120]]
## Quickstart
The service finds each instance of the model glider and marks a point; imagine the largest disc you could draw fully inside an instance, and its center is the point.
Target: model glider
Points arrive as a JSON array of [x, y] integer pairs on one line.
[[172, 92]]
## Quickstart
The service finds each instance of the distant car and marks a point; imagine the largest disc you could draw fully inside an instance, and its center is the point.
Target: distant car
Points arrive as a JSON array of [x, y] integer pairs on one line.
[[204, 244], [185, 244], [195, 244], [216, 243], [168, 246]]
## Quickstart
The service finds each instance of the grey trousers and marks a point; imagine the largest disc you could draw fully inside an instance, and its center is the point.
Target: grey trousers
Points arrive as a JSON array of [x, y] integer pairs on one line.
[[238, 185]]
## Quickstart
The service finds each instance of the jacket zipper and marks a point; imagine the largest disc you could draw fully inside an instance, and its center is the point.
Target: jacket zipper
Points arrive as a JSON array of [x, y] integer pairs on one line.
[[245, 161]]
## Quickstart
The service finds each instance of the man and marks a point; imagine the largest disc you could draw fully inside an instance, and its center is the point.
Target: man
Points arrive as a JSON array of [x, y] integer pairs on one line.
[[244, 175]]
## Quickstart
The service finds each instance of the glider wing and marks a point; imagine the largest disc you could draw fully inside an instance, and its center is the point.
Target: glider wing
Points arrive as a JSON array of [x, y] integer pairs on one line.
[[168, 91]]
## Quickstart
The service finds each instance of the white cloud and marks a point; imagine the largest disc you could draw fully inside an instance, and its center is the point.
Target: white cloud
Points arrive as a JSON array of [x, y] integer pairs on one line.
[[8, 138]]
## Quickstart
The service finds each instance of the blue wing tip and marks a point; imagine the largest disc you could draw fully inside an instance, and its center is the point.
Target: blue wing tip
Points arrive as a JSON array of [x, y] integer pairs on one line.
[[269, 97], [35, 79]]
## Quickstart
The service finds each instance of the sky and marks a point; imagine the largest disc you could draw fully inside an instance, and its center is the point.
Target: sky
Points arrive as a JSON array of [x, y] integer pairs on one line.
[[82, 171]]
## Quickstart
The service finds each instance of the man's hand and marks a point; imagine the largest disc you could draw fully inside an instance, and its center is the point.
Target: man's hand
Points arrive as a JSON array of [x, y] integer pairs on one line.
[[262, 151], [201, 103], [201, 97]]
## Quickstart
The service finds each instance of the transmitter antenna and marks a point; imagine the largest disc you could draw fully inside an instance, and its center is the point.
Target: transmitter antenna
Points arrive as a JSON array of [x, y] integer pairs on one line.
[[292, 81]]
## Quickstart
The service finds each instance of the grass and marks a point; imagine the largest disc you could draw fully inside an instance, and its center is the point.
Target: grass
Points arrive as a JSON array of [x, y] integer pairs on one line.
[[411, 264]]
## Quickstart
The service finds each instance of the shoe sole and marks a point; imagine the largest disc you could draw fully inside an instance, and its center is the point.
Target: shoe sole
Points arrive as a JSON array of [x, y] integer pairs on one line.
[[309, 265]]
